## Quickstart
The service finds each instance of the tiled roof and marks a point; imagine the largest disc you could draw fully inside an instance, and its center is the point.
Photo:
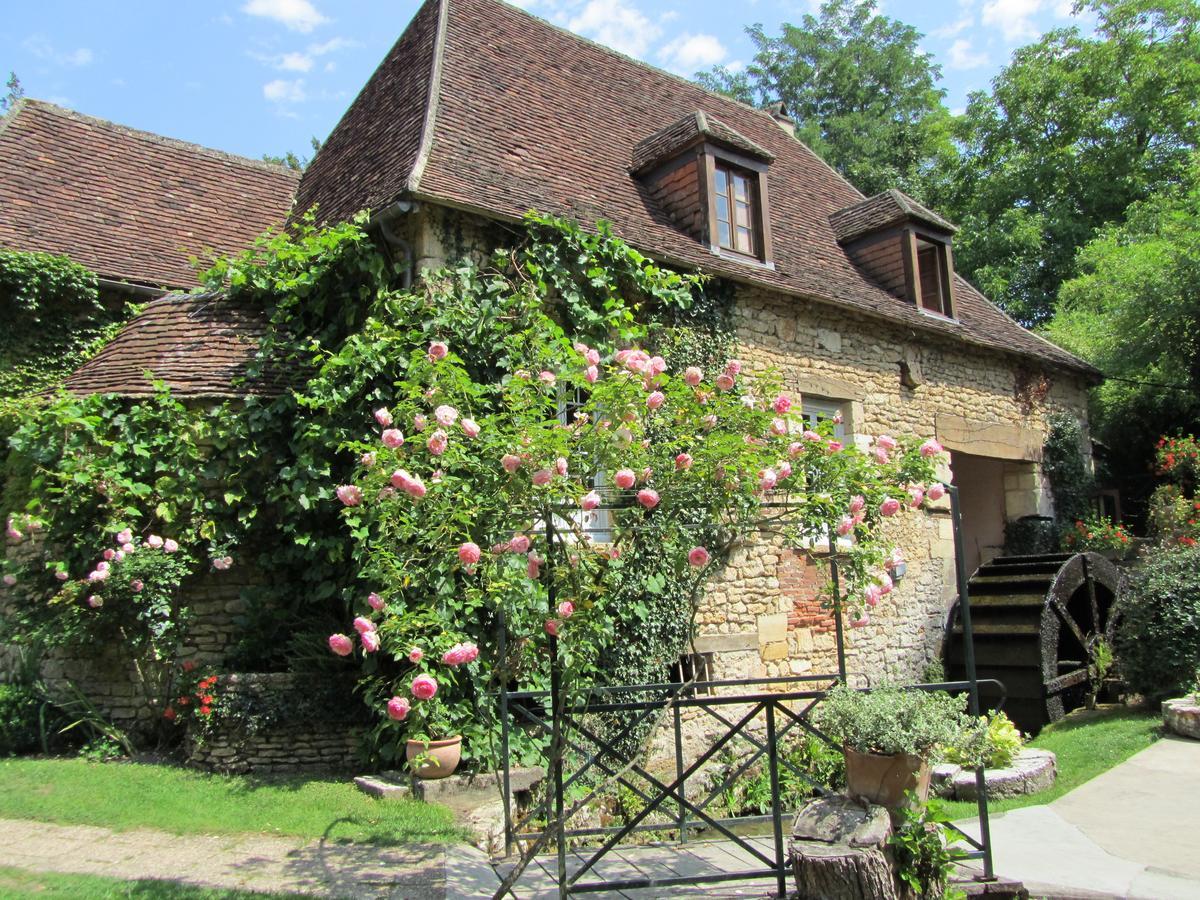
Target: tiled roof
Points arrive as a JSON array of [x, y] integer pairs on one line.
[[884, 209], [687, 131], [128, 204], [520, 115], [198, 344]]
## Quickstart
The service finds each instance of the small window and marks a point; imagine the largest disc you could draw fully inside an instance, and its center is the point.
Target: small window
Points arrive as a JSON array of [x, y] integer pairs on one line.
[[596, 524], [932, 277], [814, 411], [697, 667], [736, 210]]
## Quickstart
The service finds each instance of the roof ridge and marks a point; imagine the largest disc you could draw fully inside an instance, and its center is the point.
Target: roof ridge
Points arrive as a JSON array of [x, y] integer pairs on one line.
[[429, 121], [150, 136]]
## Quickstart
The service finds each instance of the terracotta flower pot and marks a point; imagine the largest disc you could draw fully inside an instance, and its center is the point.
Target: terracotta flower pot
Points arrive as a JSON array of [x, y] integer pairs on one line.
[[886, 779], [436, 759]]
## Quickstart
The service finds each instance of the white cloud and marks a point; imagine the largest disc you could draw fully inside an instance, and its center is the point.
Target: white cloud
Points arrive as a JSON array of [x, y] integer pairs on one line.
[[1012, 17], [690, 52], [283, 91], [294, 62], [963, 56], [40, 47], [622, 27], [954, 29], [1064, 8], [297, 15], [303, 60]]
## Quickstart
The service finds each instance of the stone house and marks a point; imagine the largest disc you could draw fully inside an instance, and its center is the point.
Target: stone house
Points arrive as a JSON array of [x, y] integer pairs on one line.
[[481, 112]]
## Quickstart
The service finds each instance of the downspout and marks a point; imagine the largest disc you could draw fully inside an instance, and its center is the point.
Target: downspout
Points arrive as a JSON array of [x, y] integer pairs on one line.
[[395, 244]]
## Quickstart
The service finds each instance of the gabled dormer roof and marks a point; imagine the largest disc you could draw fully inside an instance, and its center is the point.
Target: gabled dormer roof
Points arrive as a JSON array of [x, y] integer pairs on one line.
[[885, 210], [483, 107], [692, 129]]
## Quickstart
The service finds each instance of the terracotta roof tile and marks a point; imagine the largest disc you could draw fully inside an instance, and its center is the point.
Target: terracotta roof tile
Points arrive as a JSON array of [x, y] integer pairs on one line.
[[525, 115], [198, 344], [128, 204], [881, 211]]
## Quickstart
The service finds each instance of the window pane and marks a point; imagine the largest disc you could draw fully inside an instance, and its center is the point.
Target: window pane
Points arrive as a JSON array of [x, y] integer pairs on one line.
[[745, 240], [723, 228], [930, 277], [741, 187], [722, 207], [722, 184], [743, 214]]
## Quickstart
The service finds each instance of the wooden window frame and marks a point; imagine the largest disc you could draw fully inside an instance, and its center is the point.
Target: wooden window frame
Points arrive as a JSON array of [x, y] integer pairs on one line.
[[913, 238], [756, 172]]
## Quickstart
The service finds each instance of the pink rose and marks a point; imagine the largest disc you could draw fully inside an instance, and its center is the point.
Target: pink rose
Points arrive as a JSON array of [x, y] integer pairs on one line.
[[349, 494], [566, 609], [837, 419], [916, 496], [889, 507], [415, 487], [415, 654], [124, 537], [397, 708], [624, 436], [683, 462], [547, 378], [424, 687], [862, 620], [437, 350], [170, 545], [589, 501], [469, 553], [881, 456], [511, 462], [542, 477], [10, 580], [552, 626], [885, 584], [795, 448], [102, 566], [724, 382], [692, 375], [624, 479], [734, 367], [656, 365], [393, 438], [560, 466], [834, 446], [655, 400], [419, 422], [845, 526], [446, 415], [120, 555], [857, 503], [871, 594], [127, 548], [533, 567], [95, 601], [767, 479], [61, 576], [698, 557], [936, 491], [155, 541], [367, 459], [370, 641], [383, 416], [136, 586], [709, 422], [784, 469], [97, 575], [375, 601], [592, 357], [519, 544], [438, 442], [779, 427], [341, 645], [470, 428], [109, 553], [648, 497], [592, 374], [812, 436], [782, 404], [362, 624], [886, 442], [896, 559], [931, 448]]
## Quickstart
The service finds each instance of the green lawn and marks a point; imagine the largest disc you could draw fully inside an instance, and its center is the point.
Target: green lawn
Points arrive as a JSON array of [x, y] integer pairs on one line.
[[131, 795], [1087, 742], [53, 886]]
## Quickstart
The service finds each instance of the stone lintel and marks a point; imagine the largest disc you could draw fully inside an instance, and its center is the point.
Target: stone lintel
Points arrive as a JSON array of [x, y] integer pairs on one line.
[[990, 439], [727, 643]]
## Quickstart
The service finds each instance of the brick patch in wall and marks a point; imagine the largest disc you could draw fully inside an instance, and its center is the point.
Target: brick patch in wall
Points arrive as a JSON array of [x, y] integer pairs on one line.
[[801, 581]]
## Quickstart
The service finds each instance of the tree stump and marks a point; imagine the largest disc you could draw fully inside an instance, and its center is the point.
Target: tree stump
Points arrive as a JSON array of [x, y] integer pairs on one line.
[[840, 851]]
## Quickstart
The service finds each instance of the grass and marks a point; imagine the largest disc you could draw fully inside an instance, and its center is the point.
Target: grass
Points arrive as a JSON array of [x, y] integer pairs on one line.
[[1086, 743], [122, 796], [55, 886]]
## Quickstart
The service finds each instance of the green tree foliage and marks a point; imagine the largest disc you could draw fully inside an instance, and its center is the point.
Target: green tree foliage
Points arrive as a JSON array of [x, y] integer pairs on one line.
[[863, 94], [1158, 635], [1076, 128], [1134, 311]]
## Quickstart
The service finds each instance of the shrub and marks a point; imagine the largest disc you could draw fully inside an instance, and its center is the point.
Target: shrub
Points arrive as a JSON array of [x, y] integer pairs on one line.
[[20, 731], [1158, 634], [994, 746], [890, 720], [1172, 518], [1097, 533]]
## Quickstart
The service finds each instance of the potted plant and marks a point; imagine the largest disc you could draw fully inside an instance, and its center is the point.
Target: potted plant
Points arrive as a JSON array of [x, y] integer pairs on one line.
[[887, 735], [429, 752]]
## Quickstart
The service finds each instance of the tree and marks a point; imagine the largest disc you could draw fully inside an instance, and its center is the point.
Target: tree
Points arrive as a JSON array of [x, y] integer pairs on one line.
[[863, 94], [1133, 310], [15, 93], [1075, 129], [291, 160]]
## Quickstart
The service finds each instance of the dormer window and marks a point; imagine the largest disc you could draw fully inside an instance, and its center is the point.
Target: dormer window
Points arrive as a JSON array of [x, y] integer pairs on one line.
[[711, 182], [933, 277], [735, 193]]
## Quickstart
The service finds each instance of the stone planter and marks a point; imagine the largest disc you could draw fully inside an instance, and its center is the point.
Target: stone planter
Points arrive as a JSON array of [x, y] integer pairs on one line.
[[1033, 770], [1182, 716], [884, 780], [434, 759]]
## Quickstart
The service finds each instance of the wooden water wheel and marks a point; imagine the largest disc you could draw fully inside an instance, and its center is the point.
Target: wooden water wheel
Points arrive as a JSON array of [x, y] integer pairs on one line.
[[1038, 623]]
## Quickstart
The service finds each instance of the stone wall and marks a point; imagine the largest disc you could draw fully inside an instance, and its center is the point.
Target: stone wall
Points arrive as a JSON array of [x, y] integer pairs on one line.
[[272, 723]]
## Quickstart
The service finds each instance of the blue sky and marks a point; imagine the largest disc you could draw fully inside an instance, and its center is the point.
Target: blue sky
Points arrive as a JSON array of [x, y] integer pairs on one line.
[[262, 76]]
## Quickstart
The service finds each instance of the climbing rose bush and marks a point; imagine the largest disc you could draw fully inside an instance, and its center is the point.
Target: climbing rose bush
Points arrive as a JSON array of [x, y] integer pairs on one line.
[[476, 501]]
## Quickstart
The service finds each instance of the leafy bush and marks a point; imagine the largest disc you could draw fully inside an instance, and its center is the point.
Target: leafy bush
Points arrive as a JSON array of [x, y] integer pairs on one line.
[[1173, 518], [20, 731], [890, 720], [804, 764], [925, 851], [994, 746], [1097, 533], [1158, 635]]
